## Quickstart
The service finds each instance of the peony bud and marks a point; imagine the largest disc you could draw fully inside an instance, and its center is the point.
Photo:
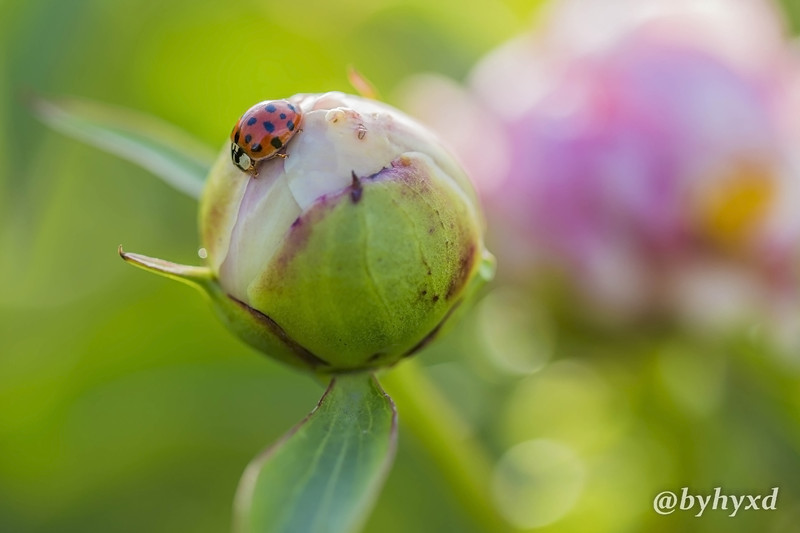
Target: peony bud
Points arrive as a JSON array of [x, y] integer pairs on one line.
[[350, 250]]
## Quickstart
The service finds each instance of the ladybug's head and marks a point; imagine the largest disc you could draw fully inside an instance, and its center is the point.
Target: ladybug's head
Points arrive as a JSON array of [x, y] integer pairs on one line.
[[240, 158]]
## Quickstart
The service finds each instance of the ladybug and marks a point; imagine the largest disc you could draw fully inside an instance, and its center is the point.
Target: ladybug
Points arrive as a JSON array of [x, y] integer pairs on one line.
[[262, 132]]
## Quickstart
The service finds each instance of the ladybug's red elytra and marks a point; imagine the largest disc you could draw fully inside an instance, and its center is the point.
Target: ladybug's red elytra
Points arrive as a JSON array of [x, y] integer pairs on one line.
[[262, 132]]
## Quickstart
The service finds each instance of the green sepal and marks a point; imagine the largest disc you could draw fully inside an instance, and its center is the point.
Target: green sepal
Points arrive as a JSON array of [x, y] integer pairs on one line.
[[250, 325]]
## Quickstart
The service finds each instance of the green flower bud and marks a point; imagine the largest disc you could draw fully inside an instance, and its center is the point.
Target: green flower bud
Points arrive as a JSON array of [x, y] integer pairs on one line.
[[351, 251]]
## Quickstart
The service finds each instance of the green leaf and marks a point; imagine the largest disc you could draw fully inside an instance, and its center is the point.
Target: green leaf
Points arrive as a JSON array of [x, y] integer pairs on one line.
[[166, 151], [324, 475]]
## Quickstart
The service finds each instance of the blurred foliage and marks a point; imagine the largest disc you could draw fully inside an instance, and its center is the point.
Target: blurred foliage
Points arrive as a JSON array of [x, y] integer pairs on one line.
[[125, 406]]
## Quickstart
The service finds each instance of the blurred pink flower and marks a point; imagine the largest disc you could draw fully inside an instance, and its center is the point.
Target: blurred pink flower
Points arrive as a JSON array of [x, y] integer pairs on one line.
[[644, 150]]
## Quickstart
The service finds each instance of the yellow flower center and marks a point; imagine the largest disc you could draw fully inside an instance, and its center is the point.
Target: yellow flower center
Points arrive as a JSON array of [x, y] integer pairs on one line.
[[736, 205]]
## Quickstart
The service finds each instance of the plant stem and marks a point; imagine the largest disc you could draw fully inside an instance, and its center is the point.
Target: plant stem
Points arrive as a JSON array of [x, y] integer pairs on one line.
[[437, 424]]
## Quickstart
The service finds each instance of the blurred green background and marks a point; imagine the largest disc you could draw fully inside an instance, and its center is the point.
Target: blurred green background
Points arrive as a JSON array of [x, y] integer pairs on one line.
[[126, 407]]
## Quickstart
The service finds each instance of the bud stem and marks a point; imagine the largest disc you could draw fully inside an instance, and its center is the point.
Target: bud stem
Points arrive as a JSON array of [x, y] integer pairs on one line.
[[436, 423]]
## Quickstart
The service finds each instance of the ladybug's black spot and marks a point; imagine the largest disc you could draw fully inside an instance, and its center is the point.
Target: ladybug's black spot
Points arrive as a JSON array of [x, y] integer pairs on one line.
[[248, 138], [290, 125], [276, 142], [271, 108], [255, 148], [283, 116], [251, 121], [236, 136], [269, 126], [292, 108]]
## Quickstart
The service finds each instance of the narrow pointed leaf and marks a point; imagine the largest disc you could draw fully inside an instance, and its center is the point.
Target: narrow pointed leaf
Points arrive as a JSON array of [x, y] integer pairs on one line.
[[361, 84], [166, 151], [196, 276], [324, 475]]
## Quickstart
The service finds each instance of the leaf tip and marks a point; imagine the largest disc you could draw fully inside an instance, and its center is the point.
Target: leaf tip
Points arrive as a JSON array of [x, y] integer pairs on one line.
[[361, 84]]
